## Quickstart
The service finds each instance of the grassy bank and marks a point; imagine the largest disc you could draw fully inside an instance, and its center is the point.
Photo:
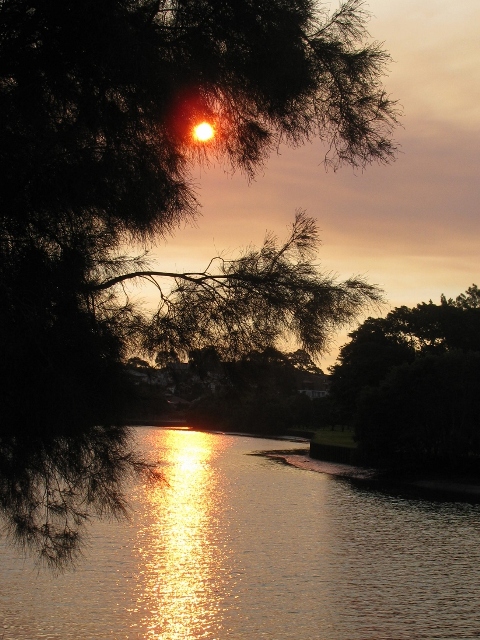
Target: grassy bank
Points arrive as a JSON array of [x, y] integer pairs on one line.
[[334, 446], [335, 438]]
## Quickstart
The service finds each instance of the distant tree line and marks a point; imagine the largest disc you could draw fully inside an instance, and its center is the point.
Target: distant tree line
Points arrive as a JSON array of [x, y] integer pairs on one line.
[[267, 391], [409, 385], [258, 393]]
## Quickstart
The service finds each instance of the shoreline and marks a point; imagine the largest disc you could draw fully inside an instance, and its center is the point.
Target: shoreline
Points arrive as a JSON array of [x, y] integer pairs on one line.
[[427, 487], [183, 425]]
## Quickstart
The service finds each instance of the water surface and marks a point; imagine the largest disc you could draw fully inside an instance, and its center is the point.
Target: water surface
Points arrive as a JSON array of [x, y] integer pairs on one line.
[[237, 546]]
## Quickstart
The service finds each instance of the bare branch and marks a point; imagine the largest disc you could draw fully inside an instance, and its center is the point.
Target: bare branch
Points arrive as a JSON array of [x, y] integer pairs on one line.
[[265, 296]]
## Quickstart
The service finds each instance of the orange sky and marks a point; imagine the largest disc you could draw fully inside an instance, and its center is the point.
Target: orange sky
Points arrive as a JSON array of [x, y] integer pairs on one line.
[[412, 227]]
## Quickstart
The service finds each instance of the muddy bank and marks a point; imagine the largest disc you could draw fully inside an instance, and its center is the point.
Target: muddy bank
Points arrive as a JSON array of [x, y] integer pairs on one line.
[[431, 487]]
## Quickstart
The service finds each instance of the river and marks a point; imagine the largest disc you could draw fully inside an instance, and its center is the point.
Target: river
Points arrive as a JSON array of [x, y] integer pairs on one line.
[[237, 546]]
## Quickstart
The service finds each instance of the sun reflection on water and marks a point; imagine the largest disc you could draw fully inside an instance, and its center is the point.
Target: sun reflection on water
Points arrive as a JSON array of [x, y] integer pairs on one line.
[[182, 555]]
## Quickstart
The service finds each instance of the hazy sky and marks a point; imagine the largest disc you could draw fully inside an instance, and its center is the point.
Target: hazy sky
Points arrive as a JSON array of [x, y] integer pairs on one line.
[[412, 227]]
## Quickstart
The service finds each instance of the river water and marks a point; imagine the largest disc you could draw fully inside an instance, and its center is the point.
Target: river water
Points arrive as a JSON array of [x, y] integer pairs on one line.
[[241, 547]]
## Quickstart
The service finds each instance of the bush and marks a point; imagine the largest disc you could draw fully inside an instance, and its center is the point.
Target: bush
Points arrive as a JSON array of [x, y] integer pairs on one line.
[[424, 413]]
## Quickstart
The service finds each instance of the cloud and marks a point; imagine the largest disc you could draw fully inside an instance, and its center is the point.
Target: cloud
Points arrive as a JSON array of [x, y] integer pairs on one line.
[[435, 45], [413, 226]]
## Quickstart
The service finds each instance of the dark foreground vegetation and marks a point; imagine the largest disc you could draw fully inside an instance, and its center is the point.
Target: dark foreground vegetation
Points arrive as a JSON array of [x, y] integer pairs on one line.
[[98, 100], [409, 386]]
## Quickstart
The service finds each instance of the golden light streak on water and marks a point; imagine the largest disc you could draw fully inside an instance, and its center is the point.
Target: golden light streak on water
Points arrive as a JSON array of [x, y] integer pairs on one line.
[[283, 554], [181, 555]]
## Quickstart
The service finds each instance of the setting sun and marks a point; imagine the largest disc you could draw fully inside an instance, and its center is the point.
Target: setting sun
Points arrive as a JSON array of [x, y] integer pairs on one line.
[[203, 132]]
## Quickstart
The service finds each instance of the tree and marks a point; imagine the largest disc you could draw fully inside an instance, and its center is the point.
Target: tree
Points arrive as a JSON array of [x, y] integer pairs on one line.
[[407, 383], [205, 362], [97, 103], [257, 393], [374, 348], [424, 414], [302, 361], [252, 302], [468, 300], [379, 344]]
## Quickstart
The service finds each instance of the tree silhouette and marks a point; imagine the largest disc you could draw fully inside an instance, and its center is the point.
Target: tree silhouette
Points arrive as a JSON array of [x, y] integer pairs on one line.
[[407, 383], [424, 415], [97, 105]]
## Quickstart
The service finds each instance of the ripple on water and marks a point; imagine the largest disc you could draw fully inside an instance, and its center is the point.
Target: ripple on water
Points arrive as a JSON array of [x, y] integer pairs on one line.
[[235, 548]]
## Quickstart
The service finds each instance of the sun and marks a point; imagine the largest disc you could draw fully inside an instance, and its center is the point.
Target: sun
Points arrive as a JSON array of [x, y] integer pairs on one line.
[[203, 132]]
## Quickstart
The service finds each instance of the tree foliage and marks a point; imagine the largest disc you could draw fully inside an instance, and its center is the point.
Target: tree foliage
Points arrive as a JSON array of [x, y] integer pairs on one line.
[[254, 301], [408, 382], [257, 393], [51, 487], [373, 350], [468, 300], [379, 344], [424, 415], [97, 103]]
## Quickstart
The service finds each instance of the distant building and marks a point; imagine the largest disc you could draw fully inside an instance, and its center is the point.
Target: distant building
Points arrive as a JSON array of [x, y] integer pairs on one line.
[[313, 385]]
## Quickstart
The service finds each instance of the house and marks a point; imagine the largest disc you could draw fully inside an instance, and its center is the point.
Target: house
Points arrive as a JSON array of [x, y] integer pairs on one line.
[[313, 385]]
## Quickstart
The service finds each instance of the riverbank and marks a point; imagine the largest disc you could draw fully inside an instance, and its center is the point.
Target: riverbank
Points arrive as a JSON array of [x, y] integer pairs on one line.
[[158, 422], [435, 487], [170, 423]]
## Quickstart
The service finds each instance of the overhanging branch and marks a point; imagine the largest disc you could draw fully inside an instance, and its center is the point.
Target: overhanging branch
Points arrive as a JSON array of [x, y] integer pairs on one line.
[[107, 284]]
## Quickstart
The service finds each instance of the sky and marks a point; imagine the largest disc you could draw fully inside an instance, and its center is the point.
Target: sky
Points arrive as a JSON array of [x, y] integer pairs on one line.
[[412, 227]]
